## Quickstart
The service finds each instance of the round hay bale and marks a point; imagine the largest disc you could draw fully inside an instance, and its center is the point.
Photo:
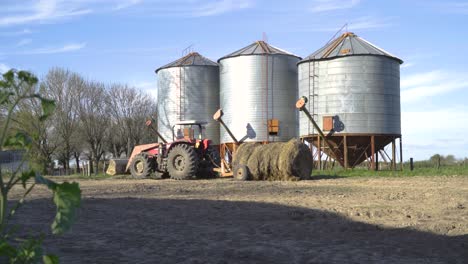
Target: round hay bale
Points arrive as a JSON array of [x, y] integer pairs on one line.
[[276, 161], [269, 161], [117, 166], [243, 153], [296, 160]]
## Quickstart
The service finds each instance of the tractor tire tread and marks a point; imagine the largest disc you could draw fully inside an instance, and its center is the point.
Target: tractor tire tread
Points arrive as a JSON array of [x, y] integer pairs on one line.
[[147, 165], [191, 159]]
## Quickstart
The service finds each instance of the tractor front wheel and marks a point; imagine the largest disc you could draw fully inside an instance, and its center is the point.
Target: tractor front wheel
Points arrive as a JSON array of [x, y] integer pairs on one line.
[[141, 166], [182, 162]]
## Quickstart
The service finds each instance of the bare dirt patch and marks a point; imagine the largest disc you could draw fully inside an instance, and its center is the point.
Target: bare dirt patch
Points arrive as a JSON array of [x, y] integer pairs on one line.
[[352, 220]]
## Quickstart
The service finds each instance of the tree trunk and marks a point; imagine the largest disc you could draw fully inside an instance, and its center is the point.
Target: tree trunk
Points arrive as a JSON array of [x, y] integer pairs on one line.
[[77, 160], [115, 151], [129, 148], [91, 163], [97, 167]]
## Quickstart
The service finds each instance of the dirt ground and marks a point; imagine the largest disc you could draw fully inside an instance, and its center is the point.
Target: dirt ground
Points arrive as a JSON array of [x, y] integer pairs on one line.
[[347, 220]]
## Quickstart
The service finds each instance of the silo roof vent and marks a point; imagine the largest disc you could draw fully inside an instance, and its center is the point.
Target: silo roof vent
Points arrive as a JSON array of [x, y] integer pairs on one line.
[[348, 44], [258, 48], [191, 59]]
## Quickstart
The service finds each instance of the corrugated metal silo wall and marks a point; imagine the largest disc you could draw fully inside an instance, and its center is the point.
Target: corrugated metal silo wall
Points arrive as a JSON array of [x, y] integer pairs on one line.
[[188, 93], [363, 91], [243, 96]]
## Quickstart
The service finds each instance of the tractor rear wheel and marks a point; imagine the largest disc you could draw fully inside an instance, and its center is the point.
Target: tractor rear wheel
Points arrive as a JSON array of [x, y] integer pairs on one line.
[[182, 162], [140, 166]]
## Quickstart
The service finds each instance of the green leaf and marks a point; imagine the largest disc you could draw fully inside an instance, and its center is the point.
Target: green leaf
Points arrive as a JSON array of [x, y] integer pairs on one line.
[[26, 175], [67, 198], [48, 107], [6, 250], [50, 259], [19, 140], [30, 251], [5, 96], [27, 77], [9, 77]]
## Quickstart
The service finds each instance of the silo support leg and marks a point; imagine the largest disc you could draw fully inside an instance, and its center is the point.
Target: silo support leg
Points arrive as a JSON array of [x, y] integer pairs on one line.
[[372, 153], [401, 155], [345, 152], [393, 155], [319, 149], [377, 160]]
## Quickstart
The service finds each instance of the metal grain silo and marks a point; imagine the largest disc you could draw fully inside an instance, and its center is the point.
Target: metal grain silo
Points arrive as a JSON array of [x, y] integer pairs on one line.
[[258, 87], [188, 89], [354, 95]]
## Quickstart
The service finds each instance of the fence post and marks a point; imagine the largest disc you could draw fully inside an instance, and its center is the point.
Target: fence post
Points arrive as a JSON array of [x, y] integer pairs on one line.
[[411, 164]]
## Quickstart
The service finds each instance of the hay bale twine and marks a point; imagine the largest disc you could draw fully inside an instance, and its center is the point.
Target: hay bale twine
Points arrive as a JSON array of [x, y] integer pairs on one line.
[[276, 161]]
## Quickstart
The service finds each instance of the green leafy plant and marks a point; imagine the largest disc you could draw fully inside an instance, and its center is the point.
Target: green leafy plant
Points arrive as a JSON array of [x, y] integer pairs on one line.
[[18, 87]]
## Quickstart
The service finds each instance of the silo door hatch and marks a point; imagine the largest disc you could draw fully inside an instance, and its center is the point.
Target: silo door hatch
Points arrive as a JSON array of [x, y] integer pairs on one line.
[[327, 123], [273, 127]]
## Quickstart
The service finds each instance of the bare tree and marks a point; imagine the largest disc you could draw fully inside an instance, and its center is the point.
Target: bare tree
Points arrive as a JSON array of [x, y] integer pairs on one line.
[[44, 136], [94, 122], [129, 108], [62, 85]]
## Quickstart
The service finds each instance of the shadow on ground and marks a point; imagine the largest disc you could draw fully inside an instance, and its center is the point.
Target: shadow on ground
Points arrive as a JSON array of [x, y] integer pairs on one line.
[[326, 177], [130, 230]]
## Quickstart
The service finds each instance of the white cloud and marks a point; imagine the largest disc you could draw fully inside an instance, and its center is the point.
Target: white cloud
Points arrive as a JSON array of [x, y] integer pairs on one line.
[[52, 11], [421, 79], [331, 5], [52, 50], [199, 8], [358, 24], [149, 87], [422, 85], [220, 7], [435, 131], [407, 65], [4, 68], [127, 4], [453, 7], [367, 23], [16, 33], [42, 11], [23, 42]]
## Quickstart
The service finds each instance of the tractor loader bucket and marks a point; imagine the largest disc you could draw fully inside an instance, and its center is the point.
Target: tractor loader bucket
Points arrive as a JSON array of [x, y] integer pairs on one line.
[[138, 149]]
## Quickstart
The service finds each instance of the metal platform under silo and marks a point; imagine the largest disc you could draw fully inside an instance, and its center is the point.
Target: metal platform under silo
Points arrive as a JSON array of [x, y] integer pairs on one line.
[[351, 150]]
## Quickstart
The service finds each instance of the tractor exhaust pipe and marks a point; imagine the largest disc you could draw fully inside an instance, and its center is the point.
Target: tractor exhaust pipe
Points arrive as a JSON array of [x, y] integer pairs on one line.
[[217, 116]]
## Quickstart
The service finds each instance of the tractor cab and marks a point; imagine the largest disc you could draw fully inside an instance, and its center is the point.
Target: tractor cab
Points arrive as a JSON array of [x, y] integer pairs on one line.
[[190, 130]]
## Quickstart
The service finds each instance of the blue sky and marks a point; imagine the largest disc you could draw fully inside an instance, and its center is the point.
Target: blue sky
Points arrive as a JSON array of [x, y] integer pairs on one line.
[[126, 40]]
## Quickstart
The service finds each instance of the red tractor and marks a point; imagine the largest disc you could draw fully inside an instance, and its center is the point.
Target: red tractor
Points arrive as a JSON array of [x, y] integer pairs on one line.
[[184, 158]]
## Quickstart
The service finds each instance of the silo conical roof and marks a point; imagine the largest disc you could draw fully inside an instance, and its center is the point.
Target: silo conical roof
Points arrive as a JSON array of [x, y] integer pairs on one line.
[[191, 59], [348, 44], [258, 48]]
